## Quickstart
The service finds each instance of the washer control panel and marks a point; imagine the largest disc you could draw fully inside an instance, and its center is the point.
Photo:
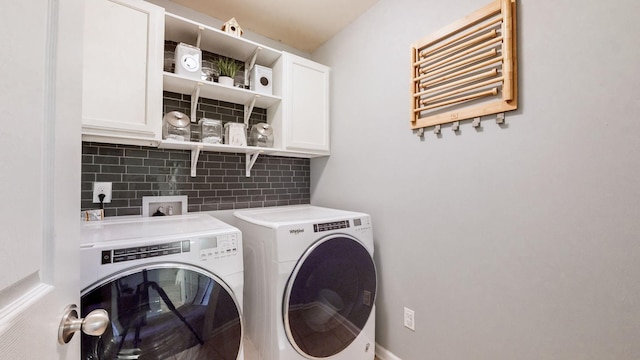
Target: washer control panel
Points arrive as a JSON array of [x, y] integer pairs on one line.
[[144, 252], [218, 246]]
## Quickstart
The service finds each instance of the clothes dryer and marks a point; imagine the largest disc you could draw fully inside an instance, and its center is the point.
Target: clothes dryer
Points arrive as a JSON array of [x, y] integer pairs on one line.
[[172, 286], [310, 282]]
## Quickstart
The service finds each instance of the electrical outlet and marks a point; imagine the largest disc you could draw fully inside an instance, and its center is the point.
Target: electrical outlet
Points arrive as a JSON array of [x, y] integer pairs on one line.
[[101, 188], [410, 319]]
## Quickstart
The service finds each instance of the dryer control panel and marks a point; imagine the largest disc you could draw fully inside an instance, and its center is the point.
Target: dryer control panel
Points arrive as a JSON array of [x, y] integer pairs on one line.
[[362, 224], [358, 224], [334, 225]]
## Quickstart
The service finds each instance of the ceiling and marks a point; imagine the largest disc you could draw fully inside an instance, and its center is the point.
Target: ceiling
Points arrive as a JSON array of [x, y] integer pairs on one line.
[[302, 24]]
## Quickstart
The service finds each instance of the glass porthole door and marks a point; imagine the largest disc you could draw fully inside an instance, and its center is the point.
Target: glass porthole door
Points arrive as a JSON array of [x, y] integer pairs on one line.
[[329, 296], [171, 311]]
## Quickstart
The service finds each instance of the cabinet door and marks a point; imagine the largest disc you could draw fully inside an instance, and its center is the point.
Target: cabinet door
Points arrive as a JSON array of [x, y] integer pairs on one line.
[[122, 84], [306, 99]]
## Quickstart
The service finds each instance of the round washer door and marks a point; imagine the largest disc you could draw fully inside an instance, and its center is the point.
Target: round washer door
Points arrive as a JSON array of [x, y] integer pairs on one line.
[[329, 296], [164, 311]]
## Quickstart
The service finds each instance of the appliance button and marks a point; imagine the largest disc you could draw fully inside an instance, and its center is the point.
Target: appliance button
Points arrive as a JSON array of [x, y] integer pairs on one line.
[[106, 257]]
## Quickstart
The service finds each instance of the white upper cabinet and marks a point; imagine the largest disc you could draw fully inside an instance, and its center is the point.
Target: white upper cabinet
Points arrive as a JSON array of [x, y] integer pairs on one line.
[[122, 84], [124, 77], [303, 120]]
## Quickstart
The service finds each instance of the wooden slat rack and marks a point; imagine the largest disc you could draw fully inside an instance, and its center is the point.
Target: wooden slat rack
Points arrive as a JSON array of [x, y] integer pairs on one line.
[[467, 69]]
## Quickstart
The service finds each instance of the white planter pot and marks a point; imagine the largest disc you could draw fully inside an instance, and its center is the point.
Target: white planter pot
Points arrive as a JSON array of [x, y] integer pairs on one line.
[[225, 80]]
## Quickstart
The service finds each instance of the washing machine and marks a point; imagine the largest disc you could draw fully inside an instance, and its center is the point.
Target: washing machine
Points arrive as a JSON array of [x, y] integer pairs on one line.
[[310, 282], [172, 286]]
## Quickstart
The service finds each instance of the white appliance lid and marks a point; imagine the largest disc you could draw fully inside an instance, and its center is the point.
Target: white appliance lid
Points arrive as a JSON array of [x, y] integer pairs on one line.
[[294, 214], [112, 229]]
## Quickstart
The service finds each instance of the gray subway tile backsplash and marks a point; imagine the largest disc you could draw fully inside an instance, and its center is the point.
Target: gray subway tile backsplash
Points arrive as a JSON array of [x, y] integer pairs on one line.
[[220, 184]]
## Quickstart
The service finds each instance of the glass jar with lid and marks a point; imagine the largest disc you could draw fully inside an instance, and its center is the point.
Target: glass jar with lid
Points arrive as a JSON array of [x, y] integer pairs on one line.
[[261, 135], [176, 126], [210, 131]]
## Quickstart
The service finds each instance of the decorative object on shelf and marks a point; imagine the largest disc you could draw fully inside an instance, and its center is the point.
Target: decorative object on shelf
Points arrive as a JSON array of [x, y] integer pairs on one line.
[[232, 27], [261, 135], [261, 79], [210, 130], [227, 69], [188, 61], [235, 134], [176, 126], [467, 69], [208, 70]]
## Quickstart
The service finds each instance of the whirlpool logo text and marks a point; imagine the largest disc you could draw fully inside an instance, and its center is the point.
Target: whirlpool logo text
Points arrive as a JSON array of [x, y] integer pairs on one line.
[[296, 231]]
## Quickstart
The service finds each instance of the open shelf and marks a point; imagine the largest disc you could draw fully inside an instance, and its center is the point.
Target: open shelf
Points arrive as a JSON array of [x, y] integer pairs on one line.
[[179, 29], [251, 152], [211, 90]]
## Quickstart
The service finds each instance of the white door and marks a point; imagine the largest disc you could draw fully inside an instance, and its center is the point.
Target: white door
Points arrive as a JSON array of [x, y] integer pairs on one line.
[[40, 156]]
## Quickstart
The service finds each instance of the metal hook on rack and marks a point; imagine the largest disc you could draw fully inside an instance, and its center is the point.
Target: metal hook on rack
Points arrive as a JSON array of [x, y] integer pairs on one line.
[[455, 126], [476, 122], [500, 118], [436, 129]]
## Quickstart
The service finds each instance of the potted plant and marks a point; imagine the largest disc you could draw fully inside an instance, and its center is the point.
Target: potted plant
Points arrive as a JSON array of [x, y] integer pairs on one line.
[[227, 69]]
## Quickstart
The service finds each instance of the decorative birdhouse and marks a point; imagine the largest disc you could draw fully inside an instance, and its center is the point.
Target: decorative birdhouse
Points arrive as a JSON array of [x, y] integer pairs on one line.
[[232, 27]]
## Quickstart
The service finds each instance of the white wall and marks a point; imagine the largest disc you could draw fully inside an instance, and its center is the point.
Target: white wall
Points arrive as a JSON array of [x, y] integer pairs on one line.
[[520, 242], [193, 15]]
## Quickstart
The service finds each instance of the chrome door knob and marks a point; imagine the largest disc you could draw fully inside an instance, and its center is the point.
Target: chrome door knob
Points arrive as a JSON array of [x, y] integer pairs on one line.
[[94, 324]]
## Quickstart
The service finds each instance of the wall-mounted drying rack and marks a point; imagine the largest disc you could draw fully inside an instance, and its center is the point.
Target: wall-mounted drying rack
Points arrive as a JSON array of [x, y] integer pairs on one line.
[[466, 70]]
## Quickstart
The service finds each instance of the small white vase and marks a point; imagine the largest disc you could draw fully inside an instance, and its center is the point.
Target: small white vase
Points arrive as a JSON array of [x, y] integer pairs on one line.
[[225, 80]]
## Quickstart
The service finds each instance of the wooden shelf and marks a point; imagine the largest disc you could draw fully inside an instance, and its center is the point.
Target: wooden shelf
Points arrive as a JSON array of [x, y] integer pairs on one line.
[[212, 90]]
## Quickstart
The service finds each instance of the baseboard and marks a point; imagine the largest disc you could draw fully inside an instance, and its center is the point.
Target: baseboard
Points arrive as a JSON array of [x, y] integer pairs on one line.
[[384, 354]]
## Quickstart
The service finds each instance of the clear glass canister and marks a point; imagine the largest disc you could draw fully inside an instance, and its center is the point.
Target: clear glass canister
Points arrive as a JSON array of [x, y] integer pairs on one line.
[[210, 131], [176, 126], [261, 135]]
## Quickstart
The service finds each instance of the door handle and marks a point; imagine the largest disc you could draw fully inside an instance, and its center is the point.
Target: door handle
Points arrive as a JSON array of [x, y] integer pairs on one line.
[[94, 324]]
